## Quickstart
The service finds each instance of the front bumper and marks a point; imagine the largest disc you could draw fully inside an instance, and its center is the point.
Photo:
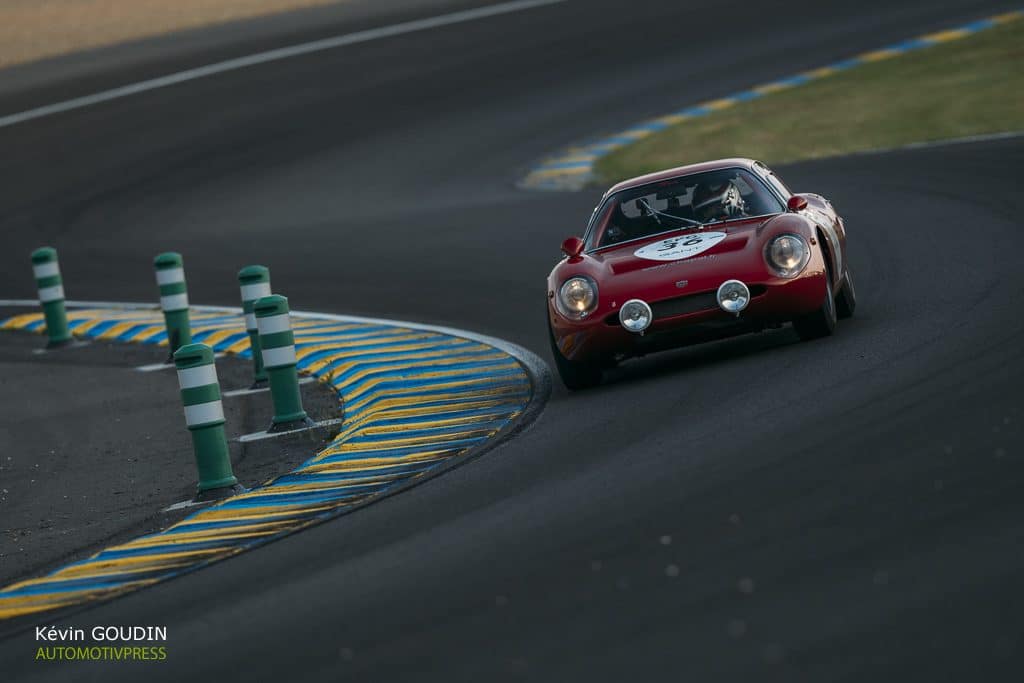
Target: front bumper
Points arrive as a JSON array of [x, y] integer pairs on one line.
[[688, 319]]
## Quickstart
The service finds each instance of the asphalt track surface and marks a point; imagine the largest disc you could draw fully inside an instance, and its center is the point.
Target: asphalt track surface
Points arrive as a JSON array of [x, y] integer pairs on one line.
[[757, 509]]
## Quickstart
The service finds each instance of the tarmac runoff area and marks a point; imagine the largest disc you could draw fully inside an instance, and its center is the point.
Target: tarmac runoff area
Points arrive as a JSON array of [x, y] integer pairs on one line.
[[94, 450]]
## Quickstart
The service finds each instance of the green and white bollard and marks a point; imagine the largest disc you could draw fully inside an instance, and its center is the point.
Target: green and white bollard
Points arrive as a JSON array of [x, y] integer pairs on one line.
[[170, 276], [255, 284], [277, 344], [204, 416], [51, 295]]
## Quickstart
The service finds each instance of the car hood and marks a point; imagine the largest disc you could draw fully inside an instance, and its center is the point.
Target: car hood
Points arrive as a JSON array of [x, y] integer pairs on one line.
[[679, 247]]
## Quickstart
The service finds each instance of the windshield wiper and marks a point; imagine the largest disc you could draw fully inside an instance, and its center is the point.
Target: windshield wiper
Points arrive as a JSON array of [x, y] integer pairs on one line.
[[650, 209], [654, 212]]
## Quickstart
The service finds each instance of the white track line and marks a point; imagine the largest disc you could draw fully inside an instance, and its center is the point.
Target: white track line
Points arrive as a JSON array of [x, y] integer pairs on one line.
[[258, 436], [185, 504], [125, 305], [275, 55], [257, 390], [153, 367], [928, 144]]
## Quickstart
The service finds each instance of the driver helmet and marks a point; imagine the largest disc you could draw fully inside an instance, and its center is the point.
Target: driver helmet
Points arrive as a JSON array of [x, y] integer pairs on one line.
[[717, 199]]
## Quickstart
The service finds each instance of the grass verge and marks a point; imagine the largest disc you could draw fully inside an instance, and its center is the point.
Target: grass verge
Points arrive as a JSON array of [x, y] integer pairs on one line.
[[968, 87]]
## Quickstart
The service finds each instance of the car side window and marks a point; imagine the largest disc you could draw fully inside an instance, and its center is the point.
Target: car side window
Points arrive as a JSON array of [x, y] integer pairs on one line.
[[779, 186], [759, 198]]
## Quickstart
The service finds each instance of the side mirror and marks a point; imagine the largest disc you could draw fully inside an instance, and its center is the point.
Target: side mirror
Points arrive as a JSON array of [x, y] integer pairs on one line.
[[572, 247], [796, 203]]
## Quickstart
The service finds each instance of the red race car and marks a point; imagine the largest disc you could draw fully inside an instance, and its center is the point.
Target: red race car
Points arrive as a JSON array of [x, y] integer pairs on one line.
[[693, 254]]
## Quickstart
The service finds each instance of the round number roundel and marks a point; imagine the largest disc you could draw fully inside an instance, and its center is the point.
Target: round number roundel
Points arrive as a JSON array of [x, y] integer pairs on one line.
[[683, 246]]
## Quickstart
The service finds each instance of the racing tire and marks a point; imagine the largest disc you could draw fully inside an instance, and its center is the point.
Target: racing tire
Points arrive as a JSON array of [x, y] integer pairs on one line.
[[822, 322], [846, 300], [575, 375]]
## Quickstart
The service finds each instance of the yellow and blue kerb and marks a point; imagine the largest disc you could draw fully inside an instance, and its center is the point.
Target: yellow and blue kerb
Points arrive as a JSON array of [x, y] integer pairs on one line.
[[573, 168], [414, 399]]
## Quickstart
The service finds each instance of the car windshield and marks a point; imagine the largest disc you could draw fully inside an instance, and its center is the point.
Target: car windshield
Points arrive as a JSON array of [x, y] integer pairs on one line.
[[689, 201]]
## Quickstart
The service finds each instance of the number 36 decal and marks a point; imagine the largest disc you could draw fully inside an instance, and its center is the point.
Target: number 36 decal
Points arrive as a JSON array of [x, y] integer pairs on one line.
[[676, 248]]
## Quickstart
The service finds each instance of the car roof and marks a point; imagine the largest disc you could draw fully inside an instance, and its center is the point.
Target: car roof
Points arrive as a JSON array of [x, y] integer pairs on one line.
[[681, 171]]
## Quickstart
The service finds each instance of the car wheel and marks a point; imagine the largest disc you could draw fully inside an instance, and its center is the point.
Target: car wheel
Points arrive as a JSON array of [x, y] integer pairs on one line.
[[846, 301], [822, 322], [575, 375]]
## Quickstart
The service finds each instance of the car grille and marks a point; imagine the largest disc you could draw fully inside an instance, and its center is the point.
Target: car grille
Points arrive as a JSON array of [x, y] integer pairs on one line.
[[682, 305]]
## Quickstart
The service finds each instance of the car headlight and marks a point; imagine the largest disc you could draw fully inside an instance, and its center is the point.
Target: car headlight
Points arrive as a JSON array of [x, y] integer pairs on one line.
[[787, 255], [577, 297], [635, 315]]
